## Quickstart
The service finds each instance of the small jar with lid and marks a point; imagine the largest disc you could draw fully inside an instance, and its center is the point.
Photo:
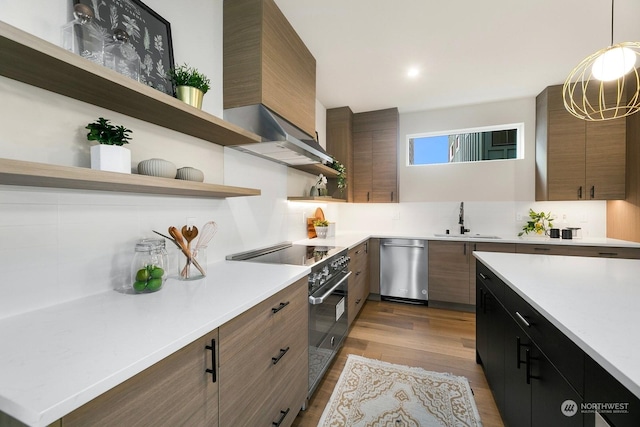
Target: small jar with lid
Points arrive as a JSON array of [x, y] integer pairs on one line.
[[83, 36], [149, 266]]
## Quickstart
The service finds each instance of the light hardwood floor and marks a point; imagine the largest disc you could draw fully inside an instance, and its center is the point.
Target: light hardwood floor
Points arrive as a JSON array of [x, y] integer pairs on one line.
[[433, 339]]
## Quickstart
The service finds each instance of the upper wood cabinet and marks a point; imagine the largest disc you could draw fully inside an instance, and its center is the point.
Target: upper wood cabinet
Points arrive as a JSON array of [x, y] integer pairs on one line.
[[577, 159], [375, 156], [266, 62], [340, 144]]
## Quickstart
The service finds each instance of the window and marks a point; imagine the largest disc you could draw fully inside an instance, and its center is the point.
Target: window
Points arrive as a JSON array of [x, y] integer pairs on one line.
[[467, 145]]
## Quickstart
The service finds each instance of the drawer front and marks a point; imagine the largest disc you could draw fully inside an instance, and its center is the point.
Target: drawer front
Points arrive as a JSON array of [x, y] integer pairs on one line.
[[561, 351], [289, 336], [252, 325], [290, 393], [542, 249], [356, 297], [490, 280], [604, 252]]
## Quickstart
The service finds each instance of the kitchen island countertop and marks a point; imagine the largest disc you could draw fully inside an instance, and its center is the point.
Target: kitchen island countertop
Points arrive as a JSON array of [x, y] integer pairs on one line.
[[56, 359], [593, 301]]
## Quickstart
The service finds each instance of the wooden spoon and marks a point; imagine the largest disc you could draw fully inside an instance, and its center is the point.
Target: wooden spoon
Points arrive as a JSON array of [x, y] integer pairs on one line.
[[189, 234], [179, 238]]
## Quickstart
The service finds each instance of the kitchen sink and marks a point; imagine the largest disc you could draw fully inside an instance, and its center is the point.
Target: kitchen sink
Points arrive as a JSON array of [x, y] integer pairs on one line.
[[468, 236]]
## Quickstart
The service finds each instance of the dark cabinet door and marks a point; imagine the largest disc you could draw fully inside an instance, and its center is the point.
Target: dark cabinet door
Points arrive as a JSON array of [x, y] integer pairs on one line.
[[490, 319], [517, 393], [553, 401]]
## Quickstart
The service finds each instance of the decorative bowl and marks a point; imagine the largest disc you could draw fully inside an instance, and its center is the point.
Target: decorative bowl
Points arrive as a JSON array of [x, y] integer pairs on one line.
[[190, 174], [157, 167]]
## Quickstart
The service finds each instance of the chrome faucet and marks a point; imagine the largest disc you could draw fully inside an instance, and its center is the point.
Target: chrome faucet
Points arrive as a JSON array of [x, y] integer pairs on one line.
[[461, 219]]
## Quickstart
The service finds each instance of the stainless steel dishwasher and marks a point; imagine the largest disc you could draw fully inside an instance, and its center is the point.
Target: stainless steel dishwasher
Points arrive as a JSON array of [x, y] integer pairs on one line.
[[403, 270]]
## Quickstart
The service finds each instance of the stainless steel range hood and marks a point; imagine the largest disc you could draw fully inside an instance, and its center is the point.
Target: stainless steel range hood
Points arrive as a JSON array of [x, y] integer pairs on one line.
[[281, 141]]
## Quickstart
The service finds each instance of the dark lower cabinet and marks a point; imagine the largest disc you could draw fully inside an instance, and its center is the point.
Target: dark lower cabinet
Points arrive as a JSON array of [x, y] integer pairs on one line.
[[615, 403], [490, 319], [534, 382]]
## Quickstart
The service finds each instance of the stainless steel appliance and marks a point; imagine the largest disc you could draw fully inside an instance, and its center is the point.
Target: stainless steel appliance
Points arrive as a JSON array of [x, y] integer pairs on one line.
[[403, 270], [328, 284]]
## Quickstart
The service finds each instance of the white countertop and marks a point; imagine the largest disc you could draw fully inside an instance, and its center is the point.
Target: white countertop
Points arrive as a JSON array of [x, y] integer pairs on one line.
[[54, 360], [593, 301], [350, 240]]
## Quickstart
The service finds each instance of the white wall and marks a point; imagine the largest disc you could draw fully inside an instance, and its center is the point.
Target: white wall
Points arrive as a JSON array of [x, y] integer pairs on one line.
[[57, 245], [479, 181]]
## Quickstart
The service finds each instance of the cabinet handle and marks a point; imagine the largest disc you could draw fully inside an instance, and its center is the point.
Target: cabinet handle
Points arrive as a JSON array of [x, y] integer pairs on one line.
[[283, 351], [358, 301], [392, 196], [212, 371], [542, 249], [280, 307], [613, 254], [358, 252], [580, 192], [523, 320], [358, 273], [367, 196], [518, 355], [592, 193], [366, 247], [483, 277], [283, 415]]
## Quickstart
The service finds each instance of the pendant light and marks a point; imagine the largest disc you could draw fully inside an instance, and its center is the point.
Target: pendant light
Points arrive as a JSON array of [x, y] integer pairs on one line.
[[606, 84]]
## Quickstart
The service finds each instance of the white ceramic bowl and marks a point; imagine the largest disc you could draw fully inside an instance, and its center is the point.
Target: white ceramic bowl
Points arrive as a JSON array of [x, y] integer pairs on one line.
[[157, 167], [190, 174]]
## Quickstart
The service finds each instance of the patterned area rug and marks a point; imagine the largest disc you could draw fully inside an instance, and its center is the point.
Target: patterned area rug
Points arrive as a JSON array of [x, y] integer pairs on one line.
[[374, 393]]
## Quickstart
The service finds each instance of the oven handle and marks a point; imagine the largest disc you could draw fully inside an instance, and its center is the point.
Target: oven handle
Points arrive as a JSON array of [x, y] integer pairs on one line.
[[320, 300]]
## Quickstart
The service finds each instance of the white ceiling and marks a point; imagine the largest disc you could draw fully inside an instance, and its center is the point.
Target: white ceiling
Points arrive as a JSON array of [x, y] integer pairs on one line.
[[468, 51]]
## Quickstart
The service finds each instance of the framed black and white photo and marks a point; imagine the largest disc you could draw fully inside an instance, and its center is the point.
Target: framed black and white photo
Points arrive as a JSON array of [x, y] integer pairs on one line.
[[149, 33]]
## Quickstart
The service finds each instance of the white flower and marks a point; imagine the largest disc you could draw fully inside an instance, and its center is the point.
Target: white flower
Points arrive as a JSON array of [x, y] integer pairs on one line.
[[322, 181]]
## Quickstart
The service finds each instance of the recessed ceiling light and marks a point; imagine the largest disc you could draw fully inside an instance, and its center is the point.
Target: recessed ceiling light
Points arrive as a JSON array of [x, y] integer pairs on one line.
[[413, 72]]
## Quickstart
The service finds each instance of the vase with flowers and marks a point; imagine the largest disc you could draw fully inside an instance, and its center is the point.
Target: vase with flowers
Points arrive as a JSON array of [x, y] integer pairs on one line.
[[320, 187], [539, 223]]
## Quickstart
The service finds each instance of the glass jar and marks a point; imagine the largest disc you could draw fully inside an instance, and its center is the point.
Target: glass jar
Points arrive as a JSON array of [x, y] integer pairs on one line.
[[121, 56], [149, 266], [83, 36], [187, 269]]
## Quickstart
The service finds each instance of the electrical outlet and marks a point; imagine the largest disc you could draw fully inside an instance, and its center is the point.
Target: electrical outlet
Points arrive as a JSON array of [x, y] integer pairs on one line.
[[518, 216], [191, 221]]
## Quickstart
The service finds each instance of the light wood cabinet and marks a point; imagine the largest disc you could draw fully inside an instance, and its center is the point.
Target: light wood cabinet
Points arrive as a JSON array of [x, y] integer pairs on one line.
[[577, 159], [340, 145], [375, 156], [579, 250], [175, 391], [264, 361], [266, 62], [359, 280], [452, 269]]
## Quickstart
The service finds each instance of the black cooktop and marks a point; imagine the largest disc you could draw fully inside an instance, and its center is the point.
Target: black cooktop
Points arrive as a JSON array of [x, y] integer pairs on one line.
[[289, 254]]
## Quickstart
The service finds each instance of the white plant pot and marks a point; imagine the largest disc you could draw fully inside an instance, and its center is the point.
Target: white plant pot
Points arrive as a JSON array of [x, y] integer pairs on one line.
[[112, 158]]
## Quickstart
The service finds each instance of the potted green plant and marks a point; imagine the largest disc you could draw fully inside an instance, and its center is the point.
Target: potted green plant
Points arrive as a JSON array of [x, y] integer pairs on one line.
[[191, 85], [539, 223], [109, 154], [342, 178], [322, 227]]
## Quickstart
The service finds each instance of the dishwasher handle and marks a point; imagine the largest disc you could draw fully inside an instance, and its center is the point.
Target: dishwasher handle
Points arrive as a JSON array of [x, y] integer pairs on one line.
[[319, 300], [400, 245]]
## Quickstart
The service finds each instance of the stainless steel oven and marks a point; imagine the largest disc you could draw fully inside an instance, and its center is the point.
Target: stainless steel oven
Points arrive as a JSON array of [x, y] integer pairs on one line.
[[328, 285]]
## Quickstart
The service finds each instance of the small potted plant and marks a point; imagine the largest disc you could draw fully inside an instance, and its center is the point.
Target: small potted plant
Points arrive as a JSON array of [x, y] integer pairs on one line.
[[109, 154], [539, 223], [322, 227], [191, 85]]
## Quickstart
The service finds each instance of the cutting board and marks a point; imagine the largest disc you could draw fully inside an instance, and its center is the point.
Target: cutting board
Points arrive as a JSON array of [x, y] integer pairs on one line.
[[311, 230]]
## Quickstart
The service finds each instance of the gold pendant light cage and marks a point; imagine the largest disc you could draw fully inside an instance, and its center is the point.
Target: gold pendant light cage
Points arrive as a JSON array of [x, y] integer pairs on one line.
[[591, 99]]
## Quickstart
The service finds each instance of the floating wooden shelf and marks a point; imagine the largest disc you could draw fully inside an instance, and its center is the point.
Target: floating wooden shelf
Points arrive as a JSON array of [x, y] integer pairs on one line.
[[317, 169], [18, 172], [29, 59], [317, 199]]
